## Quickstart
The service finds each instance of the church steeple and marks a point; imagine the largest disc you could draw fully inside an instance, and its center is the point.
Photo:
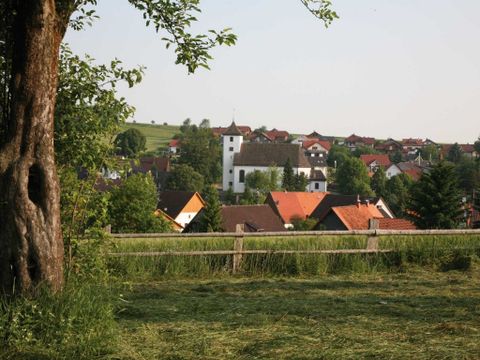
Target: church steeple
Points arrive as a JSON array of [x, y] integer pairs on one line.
[[233, 130]]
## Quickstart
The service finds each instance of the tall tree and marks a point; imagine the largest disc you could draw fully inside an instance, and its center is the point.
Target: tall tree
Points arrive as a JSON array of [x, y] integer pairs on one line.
[[352, 178], [301, 182], [288, 179], [398, 193], [201, 150], [185, 178], [455, 153], [436, 199], [31, 245], [211, 219], [378, 182], [130, 142]]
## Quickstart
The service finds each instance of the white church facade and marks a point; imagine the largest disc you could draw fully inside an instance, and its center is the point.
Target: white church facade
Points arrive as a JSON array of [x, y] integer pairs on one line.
[[241, 158]]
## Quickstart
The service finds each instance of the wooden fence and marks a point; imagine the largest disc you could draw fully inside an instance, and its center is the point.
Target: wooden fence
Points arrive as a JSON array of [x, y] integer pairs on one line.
[[373, 237]]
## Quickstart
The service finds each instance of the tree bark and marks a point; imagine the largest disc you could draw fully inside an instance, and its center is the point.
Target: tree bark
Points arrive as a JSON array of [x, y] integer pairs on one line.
[[31, 243]]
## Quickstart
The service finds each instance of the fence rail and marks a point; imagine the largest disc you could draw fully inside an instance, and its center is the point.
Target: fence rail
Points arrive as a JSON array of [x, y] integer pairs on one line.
[[299, 233], [373, 237]]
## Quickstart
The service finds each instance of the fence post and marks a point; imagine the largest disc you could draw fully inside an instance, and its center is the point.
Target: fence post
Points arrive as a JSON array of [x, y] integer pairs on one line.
[[238, 247], [372, 242]]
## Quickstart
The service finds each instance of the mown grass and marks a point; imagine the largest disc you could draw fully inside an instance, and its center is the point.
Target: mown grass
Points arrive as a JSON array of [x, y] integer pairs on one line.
[[421, 314], [156, 135], [441, 252]]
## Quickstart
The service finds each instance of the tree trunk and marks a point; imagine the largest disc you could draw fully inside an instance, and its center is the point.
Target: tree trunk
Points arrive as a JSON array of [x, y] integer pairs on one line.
[[31, 243]]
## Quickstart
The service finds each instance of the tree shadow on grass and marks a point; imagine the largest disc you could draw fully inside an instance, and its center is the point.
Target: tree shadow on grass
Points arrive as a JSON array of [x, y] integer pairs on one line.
[[251, 302]]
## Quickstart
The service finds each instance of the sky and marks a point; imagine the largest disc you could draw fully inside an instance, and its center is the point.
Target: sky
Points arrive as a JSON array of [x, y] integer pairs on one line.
[[404, 68]]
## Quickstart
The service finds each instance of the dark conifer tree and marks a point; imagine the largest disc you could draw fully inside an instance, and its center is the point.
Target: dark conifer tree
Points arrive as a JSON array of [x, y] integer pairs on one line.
[[378, 182], [436, 199], [288, 181], [211, 220]]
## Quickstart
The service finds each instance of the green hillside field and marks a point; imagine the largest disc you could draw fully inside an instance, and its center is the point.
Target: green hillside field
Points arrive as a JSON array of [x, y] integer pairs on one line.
[[157, 135]]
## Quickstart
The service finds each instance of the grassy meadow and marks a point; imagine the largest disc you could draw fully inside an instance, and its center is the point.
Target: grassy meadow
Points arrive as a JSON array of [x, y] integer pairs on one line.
[[422, 314], [422, 301], [157, 135]]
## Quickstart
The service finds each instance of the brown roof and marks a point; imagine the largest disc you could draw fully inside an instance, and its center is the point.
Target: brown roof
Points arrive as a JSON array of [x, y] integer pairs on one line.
[[381, 159], [396, 224], [277, 134], [294, 204], [103, 185], [253, 154], [232, 130], [412, 142], [146, 164], [174, 143], [355, 138], [173, 202], [254, 218]]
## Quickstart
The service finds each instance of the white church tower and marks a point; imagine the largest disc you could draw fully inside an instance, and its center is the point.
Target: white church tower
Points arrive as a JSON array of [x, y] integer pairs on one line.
[[232, 142]]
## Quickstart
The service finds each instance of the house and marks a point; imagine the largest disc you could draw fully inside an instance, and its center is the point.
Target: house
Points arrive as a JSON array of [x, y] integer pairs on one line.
[[248, 218], [412, 169], [175, 225], [158, 167], [334, 200], [318, 181], [349, 217], [354, 141], [313, 146], [412, 146], [181, 206], [273, 135], [467, 149], [289, 205], [389, 146], [374, 161], [174, 146], [240, 159]]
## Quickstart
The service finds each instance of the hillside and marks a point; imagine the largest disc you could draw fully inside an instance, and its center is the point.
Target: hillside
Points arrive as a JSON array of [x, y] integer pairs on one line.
[[157, 135]]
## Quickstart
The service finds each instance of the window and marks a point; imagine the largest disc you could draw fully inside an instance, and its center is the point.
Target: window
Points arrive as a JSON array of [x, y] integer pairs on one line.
[[230, 183], [230, 171], [230, 148], [231, 138], [241, 176], [317, 186]]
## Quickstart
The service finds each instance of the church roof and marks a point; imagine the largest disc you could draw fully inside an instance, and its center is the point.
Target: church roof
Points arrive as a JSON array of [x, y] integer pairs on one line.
[[233, 130], [277, 154]]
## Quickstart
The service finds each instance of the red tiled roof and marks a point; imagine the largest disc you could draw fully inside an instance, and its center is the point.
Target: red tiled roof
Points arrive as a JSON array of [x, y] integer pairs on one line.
[[294, 204], [357, 217], [381, 159], [325, 144], [277, 134], [412, 142], [355, 138], [395, 224], [174, 143]]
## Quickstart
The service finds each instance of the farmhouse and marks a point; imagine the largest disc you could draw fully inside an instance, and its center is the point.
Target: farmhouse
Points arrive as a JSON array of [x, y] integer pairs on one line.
[[181, 206], [245, 218], [240, 159], [291, 205]]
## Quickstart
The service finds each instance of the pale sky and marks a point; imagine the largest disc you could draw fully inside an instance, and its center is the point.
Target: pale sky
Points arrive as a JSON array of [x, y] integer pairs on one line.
[[403, 68]]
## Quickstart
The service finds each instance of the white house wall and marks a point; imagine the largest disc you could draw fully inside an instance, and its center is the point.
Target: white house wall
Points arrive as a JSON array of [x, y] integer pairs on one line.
[[185, 217], [239, 187]]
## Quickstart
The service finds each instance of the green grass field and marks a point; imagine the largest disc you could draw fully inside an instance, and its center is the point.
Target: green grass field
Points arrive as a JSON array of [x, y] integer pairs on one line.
[[421, 314], [157, 135]]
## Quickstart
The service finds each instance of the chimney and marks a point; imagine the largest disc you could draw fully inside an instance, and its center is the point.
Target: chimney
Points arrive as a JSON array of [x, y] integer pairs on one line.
[[358, 201], [367, 202]]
